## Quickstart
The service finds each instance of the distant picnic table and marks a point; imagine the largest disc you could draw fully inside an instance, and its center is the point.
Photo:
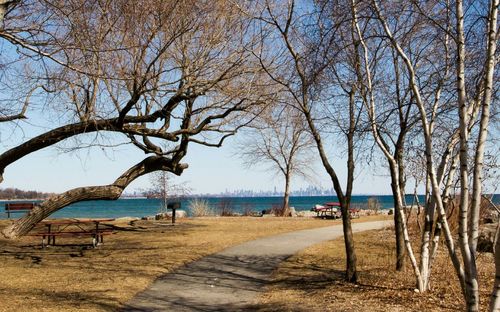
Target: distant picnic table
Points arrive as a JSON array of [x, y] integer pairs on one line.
[[327, 211], [74, 228], [330, 211]]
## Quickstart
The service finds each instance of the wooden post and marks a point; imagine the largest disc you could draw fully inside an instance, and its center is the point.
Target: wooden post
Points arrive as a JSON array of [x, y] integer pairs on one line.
[[173, 206]]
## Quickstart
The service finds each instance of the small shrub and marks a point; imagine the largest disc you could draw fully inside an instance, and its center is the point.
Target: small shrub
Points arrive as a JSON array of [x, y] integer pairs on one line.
[[279, 211], [248, 210], [488, 212], [225, 208], [374, 204], [200, 208]]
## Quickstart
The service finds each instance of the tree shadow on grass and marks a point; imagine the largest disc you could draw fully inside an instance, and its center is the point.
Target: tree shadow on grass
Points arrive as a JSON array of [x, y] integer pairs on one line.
[[213, 283], [69, 300], [306, 278]]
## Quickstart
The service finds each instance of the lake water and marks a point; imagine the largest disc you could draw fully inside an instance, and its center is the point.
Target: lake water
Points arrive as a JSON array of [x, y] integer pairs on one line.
[[139, 207]]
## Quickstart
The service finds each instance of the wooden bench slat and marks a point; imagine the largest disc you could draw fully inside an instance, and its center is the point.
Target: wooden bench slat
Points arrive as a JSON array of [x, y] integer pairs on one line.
[[18, 206], [73, 233]]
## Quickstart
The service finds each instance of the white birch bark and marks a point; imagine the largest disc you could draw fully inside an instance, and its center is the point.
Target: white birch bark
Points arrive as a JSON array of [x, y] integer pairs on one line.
[[478, 160], [429, 238], [369, 102], [431, 171], [483, 128], [437, 230]]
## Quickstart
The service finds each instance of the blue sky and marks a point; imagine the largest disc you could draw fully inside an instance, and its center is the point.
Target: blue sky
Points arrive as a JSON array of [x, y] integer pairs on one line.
[[211, 170]]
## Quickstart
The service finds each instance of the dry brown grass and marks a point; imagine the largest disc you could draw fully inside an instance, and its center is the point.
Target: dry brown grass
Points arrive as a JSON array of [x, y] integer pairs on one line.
[[313, 280], [76, 277]]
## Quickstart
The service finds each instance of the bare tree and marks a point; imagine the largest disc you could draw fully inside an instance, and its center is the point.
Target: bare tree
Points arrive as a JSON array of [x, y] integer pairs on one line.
[[280, 139], [297, 62], [5, 6], [13, 104], [166, 189], [163, 71]]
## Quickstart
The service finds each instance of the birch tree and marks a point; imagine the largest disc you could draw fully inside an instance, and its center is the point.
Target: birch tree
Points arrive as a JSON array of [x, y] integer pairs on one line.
[[478, 82], [375, 58]]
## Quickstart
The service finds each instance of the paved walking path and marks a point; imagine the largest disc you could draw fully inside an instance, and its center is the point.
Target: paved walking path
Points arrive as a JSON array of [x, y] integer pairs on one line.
[[232, 279]]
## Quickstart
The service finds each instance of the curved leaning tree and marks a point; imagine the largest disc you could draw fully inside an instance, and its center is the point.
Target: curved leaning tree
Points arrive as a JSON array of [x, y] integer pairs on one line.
[[161, 75]]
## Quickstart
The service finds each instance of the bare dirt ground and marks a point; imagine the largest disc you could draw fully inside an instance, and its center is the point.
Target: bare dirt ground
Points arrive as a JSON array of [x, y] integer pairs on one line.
[[76, 277], [313, 280]]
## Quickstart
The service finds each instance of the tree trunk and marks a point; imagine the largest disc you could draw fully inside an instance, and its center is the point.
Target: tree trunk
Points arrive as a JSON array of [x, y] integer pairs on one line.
[[495, 296], [286, 197], [431, 171], [351, 274], [426, 241], [346, 202], [351, 260], [398, 224], [483, 127], [106, 192], [398, 199], [471, 282]]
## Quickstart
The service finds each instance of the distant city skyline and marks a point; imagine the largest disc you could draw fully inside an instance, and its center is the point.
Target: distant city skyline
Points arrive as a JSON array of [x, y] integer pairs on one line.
[[211, 170], [310, 190]]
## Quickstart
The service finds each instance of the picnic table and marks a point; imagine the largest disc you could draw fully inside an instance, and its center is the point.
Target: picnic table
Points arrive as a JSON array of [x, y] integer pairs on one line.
[[330, 211], [74, 228], [327, 211], [354, 213]]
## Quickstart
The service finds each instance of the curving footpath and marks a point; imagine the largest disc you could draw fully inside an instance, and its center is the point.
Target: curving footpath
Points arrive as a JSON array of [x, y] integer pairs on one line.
[[232, 279]]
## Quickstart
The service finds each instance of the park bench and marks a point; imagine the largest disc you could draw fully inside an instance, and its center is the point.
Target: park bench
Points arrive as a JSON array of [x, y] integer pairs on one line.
[[18, 207]]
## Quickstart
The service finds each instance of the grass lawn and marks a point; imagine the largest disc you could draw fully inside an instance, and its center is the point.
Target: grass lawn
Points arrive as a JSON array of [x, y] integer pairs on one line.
[[71, 277], [313, 280]]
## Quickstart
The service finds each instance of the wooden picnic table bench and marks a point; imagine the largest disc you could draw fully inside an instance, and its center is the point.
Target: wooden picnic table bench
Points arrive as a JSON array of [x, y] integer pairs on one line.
[[327, 211], [354, 213], [330, 211], [18, 207], [73, 228]]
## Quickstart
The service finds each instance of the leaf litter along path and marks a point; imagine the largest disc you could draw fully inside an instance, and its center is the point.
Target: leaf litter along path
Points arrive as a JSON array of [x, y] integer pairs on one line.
[[232, 279]]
